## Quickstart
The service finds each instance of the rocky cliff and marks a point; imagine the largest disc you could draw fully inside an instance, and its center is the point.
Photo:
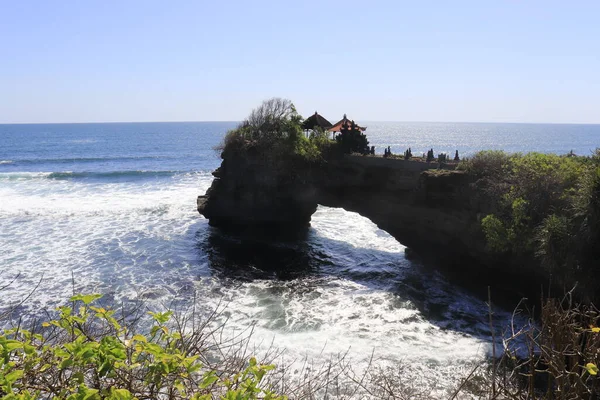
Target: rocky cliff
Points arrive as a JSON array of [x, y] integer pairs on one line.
[[430, 208], [250, 191]]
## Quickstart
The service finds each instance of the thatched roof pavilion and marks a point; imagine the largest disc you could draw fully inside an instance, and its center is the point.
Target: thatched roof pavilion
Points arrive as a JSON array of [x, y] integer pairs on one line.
[[316, 120], [345, 121]]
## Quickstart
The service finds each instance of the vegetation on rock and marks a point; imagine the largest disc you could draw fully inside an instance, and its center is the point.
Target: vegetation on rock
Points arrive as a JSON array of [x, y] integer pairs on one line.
[[274, 130], [430, 155], [544, 207], [352, 139]]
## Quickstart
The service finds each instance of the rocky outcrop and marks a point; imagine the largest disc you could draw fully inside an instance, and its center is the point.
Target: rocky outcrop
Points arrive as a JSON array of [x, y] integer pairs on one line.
[[418, 203], [431, 208], [254, 192]]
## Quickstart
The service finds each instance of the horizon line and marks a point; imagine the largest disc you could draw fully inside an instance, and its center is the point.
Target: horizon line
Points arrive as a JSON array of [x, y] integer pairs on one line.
[[232, 121]]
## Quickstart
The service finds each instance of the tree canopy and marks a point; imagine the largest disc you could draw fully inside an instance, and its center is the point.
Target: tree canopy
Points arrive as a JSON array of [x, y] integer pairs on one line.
[[352, 140], [273, 129]]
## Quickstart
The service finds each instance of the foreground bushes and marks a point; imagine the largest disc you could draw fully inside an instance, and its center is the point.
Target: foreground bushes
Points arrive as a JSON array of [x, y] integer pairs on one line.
[[555, 356], [87, 354], [91, 352]]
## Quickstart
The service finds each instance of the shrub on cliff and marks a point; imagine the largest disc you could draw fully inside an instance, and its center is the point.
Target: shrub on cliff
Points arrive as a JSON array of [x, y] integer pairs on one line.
[[544, 207], [352, 139], [430, 155], [274, 129], [486, 163]]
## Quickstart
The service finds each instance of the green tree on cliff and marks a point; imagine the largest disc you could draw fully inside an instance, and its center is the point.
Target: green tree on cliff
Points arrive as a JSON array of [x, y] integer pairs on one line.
[[352, 140], [273, 129], [543, 209]]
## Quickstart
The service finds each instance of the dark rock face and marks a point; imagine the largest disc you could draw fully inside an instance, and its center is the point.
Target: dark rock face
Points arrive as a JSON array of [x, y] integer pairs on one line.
[[422, 206], [432, 209], [427, 209], [256, 193]]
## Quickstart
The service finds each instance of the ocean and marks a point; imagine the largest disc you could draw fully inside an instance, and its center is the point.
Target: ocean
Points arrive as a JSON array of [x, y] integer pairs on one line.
[[111, 208]]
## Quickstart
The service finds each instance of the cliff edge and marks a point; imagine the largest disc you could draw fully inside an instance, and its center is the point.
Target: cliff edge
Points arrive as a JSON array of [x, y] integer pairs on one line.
[[429, 207]]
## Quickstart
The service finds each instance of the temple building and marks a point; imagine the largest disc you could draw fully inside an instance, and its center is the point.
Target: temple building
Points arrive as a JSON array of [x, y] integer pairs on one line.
[[316, 120], [337, 127]]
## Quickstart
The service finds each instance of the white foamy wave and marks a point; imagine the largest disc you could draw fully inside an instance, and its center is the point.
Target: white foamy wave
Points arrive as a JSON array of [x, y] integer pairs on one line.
[[16, 176], [321, 319], [22, 196], [350, 227], [113, 237], [106, 176], [6, 161], [142, 240]]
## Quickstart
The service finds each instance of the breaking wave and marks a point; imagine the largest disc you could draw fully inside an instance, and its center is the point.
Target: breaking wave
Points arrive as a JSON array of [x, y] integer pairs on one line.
[[82, 160], [69, 175]]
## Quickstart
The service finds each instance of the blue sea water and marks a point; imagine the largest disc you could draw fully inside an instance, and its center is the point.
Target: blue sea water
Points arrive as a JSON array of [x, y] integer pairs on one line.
[[159, 148], [113, 207], [188, 146]]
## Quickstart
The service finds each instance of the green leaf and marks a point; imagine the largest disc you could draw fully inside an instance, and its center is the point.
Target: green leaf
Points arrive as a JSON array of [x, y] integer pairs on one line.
[[29, 349], [199, 396], [591, 368], [86, 298], [85, 393], [45, 367], [210, 378], [11, 377], [120, 394], [78, 376], [140, 338], [105, 368], [161, 318], [260, 374], [180, 387], [12, 345]]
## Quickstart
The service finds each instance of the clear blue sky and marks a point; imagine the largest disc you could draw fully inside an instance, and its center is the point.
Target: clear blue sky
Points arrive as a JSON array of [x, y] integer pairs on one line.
[[505, 61]]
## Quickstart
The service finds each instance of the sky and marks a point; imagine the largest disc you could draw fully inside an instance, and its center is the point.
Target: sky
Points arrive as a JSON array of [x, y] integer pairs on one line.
[[478, 61]]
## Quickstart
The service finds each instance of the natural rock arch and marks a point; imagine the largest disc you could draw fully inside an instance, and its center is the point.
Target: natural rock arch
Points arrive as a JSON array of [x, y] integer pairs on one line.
[[417, 203]]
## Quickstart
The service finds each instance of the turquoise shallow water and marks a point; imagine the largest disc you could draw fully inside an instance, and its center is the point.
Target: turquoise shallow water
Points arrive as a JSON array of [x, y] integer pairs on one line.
[[114, 206]]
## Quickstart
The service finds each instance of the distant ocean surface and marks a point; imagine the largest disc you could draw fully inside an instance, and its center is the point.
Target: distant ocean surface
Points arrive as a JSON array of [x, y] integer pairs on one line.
[[114, 207], [469, 138]]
